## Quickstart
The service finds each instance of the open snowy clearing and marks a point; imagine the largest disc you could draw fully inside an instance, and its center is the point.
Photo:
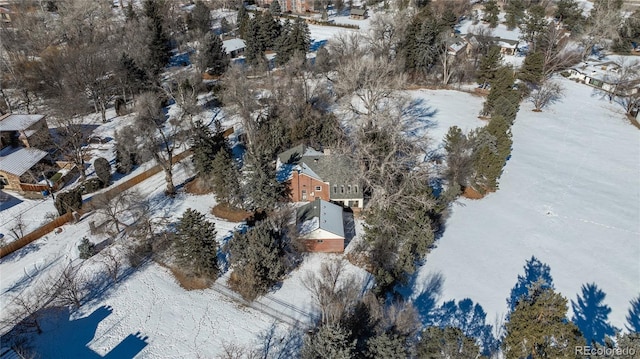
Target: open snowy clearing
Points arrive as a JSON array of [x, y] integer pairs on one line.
[[569, 196]]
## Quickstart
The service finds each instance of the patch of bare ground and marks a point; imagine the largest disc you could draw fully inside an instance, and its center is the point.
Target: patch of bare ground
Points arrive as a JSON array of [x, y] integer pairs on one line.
[[471, 193], [634, 121], [197, 186], [190, 281], [230, 214]]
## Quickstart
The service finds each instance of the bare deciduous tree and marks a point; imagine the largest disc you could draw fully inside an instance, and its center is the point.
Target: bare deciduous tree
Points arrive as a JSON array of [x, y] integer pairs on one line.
[[70, 286], [625, 83], [240, 96], [333, 290], [26, 308], [547, 93], [113, 263], [559, 53], [118, 208]]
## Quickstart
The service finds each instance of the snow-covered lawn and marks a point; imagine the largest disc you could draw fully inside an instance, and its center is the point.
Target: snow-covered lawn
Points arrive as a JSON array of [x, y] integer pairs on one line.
[[569, 195]]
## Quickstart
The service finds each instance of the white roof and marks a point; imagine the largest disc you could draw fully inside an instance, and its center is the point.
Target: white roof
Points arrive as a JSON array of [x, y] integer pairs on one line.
[[327, 217], [233, 45], [15, 122], [20, 161]]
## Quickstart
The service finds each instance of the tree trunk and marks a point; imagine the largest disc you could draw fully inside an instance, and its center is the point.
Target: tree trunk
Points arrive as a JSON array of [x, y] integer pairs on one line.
[[103, 112], [168, 177]]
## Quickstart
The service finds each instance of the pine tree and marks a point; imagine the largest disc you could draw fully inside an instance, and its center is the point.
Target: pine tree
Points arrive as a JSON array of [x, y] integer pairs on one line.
[[590, 315], [446, 343], [257, 259], [538, 328], [262, 189], [491, 12], [269, 30], [533, 25], [534, 272], [459, 157], [205, 144], [531, 70], [225, 27], [70, 201], [242, 22], [275, 8], [489, 66], [225, 179], [103, 170], [570, 14], [213, 58], [283, 44], [300, 37], [514, 13], [329, 341], [502, 87], [195, 246], [254, 51], [422, 40], [86, 248], [134, 77], [200, 18], [387, 346], [159, 45], [493, 147]]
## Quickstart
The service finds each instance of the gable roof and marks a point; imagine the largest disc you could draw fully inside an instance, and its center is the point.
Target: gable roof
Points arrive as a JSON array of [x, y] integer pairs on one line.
[[18, 122], [358, 12], [20, 161], [320, 214], [233, 45]]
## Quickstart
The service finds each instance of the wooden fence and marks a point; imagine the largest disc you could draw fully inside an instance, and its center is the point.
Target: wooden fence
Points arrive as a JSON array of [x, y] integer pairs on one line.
[[68, 217]]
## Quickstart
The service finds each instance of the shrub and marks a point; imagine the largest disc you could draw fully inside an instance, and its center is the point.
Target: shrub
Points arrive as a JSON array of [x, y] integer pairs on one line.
[[68, 201], [86, 248], [91, 185]]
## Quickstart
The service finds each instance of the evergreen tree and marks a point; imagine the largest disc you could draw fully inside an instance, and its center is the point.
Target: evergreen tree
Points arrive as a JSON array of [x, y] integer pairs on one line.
[[329, 341], [130, 13], [633, 318], [269, 31], [590, 315], [195, 246], [514, 13], [489, 66], [300, 37], [134, 78], [125, 150], [86, 248], [225, 179], [283, 44], [493, 147], [628, 34], [242, 22], [103, 170], [534, 272], [501, 88], [533, 25], [275, 8], [257, 259], [459, 157], [205, 144], [446, 343], [225, 27], [70, 201], [387, 346], [531, 70], [491, 12], [422, 40], [569, 13], [255, 47], [200, 18], [159, 50], [538, 327], [212, 56], [262, 189]]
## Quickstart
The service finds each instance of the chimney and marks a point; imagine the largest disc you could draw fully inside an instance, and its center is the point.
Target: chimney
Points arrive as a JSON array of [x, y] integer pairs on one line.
[[327, 152]]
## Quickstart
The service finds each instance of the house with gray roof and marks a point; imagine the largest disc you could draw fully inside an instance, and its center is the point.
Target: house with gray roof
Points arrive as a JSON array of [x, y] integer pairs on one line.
[[311, 175], [321, 227]]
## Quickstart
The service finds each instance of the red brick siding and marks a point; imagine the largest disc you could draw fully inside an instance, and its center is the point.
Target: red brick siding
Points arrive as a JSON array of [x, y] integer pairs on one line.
[[300, 182], [332, 245]]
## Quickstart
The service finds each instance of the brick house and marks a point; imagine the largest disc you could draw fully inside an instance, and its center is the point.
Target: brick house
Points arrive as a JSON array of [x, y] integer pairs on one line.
[[321, 227], [312, 175]]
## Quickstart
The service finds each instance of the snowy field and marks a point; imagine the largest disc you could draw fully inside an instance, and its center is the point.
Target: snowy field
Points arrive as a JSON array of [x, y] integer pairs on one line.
[[569, 196]]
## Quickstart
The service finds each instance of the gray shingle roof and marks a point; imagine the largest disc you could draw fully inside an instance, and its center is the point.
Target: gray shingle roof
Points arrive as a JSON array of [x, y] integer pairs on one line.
[[320, 214], [20, 161], [15, 122]]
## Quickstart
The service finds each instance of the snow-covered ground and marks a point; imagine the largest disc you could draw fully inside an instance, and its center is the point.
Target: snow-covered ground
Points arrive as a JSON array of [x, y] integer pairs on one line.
[[569, 195]]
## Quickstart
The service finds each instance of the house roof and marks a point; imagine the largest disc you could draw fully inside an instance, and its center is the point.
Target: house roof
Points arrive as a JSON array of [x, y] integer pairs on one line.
[[18, 122], [358, 12], [233, 45], [20, 161], [603, 71], [294, 154], [320, 214]]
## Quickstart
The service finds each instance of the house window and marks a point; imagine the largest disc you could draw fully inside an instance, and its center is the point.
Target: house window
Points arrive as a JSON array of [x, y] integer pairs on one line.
[[355, 189], [318, 188], [4, 181], [341, 189], [304, 195], [319, 241], [335, 189], [353, 203]]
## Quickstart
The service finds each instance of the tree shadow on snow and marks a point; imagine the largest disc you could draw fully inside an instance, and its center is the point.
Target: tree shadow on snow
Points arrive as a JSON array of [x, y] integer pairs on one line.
[[591, 315], [633, 318], [534, 271], [64, 337]]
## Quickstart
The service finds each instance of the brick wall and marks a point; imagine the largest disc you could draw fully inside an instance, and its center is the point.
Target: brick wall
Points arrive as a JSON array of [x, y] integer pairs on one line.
[[332, 245], [301, 182]]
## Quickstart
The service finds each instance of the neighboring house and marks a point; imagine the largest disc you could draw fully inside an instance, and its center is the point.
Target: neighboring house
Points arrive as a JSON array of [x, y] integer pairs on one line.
[[312, 175], [359, 14], [321, 227], [234, 47], [507, 46], [24, 130], [17, 168], [5, 15], [19, 135], [456, 45], [605, 76]]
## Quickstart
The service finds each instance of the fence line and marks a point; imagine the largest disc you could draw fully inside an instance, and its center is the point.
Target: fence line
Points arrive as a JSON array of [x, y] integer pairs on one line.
[[68, 217]]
